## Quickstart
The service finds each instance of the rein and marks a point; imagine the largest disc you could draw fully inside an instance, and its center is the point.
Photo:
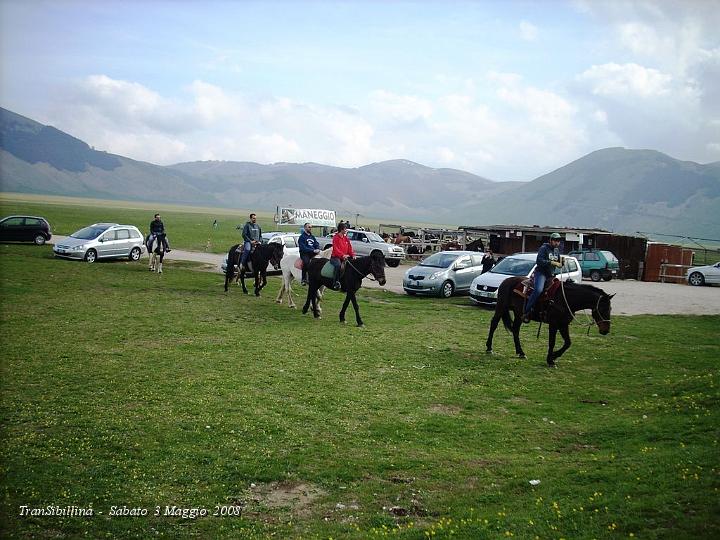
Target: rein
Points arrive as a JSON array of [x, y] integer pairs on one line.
[[370, 277], [590, 320]]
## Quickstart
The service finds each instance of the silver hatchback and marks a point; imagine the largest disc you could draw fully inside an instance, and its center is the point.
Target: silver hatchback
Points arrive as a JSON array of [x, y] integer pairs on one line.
[[102, 241], [444, 273]]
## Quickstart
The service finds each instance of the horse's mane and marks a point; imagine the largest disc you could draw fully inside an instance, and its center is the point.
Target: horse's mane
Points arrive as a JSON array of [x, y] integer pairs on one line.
[[580, 287]]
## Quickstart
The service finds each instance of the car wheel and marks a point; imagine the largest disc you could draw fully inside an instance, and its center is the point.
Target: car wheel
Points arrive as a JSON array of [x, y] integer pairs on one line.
[[595, 275], [90, 256], [411, 293], [447, 289], [135, 254], [607, 277], [393, 263], [696, 278], [39, 240]]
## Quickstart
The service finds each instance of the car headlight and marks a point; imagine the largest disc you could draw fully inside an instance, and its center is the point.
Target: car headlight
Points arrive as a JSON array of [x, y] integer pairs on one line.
[[79, 248], [435, 275]]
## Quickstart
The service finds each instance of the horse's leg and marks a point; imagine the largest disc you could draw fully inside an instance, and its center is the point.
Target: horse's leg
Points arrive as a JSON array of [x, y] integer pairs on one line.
[[159, 266], [258, 282], [241, 274], [344, 307], [493, 326], [517, 323], [278, 298], [288, 290], [552, 334], [307, 300], [565, 333], [357, 310], [316, 312]]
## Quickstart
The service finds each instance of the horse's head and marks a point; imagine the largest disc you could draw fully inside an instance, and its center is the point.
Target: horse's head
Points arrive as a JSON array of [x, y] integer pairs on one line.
[[601, 313], [377, 266], [276, 254]]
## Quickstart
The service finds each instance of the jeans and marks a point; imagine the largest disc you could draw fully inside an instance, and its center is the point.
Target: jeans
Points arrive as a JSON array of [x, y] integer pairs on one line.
[[336, 262], [540, 279], [306, 258], [247, 247]]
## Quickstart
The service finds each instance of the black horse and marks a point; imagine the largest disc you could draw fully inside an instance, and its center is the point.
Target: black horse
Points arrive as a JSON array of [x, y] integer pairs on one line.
[[259, 258], [355, 271], [558, 313]]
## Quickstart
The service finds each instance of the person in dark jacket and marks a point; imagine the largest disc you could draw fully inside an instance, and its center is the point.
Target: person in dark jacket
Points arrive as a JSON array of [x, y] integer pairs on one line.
[[309, 247], [488, 261], [157, 228], [252, 236], [548, 257]]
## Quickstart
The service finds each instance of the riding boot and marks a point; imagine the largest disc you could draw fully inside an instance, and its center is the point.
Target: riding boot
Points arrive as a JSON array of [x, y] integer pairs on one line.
[[336, 282]]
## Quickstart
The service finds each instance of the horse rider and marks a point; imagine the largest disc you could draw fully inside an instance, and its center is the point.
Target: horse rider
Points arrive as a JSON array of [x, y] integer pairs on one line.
[[252, 235], [309, 247], [548, 257], [157, 228], [342, 250]]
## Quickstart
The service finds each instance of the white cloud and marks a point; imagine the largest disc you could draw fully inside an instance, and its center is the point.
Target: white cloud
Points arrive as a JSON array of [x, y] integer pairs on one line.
[[528, 31], [626, 79]]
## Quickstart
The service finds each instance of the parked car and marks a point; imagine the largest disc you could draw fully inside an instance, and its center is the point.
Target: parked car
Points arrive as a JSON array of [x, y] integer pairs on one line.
[[483, 290], [289, 240], [365, 242], [25, 229], [102, 241], [701, 275], [443, 273], [597, 264]]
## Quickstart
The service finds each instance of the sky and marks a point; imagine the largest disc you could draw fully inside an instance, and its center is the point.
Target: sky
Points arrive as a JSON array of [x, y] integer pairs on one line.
[[508, 90]]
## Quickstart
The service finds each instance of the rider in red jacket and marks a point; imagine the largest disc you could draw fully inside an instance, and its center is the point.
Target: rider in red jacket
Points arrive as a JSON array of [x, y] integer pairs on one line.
[[342, 250]]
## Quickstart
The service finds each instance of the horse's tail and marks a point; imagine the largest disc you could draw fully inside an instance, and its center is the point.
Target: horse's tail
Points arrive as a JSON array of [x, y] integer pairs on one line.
[[231, 256], [504, 300]]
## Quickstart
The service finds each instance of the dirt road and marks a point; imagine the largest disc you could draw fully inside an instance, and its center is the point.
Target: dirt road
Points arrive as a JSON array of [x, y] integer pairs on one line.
[[632, 297]]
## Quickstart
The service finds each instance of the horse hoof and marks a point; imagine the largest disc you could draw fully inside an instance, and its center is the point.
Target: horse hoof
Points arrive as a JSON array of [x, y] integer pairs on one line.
[[489, 351], [522, 355], [361, 325], [552, 365]]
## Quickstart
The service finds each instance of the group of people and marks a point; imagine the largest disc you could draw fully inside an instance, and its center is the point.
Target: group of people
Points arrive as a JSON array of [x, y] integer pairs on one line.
[[548, 255]]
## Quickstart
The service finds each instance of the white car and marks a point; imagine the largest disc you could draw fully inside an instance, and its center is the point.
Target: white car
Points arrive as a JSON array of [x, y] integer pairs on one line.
[[701, 275], [483, 289], [290, 240]]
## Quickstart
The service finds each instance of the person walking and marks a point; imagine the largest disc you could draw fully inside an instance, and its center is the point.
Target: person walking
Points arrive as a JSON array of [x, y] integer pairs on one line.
[[488, 261]]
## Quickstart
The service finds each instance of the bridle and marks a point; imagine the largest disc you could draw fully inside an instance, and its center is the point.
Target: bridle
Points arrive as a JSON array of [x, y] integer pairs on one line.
[[368, 275], [590, 320]]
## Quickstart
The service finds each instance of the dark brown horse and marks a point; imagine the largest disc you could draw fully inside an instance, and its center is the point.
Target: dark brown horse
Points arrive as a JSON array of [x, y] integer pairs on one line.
[[355, 271], [557, 313], [263, 254]]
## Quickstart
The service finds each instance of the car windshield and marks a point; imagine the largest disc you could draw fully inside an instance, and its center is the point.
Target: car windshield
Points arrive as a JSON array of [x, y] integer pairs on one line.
[[88, 233], [440, 260], [513, 267], [610, 256], [374, 237]]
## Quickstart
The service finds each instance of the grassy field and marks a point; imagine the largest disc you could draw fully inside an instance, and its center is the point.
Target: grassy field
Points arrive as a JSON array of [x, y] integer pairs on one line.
[[125, 388]]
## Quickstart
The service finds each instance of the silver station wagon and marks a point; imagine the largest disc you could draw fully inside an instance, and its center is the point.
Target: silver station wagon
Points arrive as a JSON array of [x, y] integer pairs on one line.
[[102, 241]]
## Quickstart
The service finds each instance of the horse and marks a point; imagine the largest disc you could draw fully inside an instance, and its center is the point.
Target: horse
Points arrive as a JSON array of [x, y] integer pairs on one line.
[[290, 272], [559, 313], [258, 259], [158, 253], [355, 271]]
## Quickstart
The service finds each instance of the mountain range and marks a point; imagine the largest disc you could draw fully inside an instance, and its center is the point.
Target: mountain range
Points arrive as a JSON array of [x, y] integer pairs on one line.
[[614, 188]]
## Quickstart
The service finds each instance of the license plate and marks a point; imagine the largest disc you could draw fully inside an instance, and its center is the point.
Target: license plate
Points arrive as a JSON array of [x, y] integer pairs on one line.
[[485, 293]]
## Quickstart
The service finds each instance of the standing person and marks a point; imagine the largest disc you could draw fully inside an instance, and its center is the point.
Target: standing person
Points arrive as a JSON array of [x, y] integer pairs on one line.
[[341, 250], [488, 261], [309, 247], [157, 228], [547, 257], [252, 236]]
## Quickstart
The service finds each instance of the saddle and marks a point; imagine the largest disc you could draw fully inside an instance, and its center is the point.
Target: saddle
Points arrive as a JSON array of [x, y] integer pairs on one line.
[[328, 270], [525, 289]]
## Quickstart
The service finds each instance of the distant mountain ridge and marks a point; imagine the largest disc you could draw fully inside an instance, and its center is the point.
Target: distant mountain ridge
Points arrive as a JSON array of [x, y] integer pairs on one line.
[[614, 188]]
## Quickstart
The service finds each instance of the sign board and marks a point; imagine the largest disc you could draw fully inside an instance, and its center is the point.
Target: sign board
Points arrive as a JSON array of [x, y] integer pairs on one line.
[[300, 216], [574, 237]]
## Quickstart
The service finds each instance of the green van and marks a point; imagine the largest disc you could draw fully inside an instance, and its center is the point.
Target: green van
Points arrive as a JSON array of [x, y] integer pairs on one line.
[[597, 264]]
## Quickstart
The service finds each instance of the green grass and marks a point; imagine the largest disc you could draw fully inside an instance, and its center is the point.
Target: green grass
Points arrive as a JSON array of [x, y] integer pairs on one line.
[[121, 387]]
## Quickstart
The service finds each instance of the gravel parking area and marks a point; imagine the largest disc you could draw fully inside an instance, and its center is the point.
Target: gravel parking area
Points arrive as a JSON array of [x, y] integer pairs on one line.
[[632, 297]]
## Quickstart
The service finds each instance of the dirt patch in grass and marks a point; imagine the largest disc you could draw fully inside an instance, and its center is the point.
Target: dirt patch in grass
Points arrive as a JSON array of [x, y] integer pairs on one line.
[[294, 497], [447, 410]]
